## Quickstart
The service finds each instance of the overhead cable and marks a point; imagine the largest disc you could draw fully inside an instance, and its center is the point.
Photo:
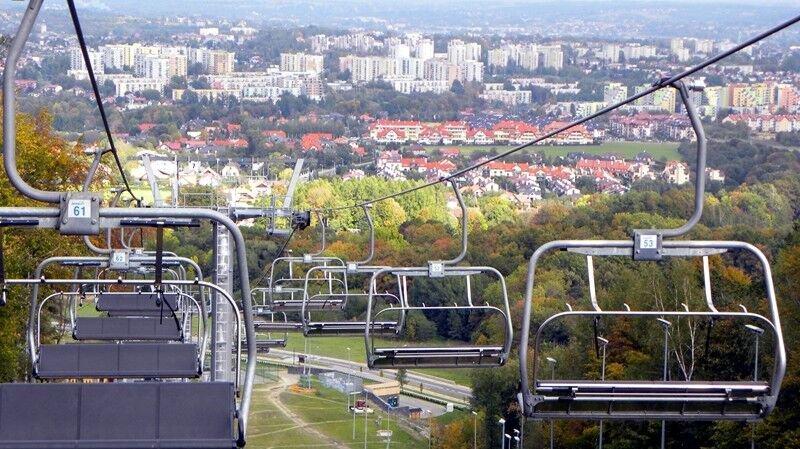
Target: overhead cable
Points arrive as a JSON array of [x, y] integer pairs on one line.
[[87, 61]]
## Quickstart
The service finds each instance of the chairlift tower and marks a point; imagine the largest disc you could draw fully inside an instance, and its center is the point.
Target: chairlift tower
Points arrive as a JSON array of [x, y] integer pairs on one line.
[[221, 342]]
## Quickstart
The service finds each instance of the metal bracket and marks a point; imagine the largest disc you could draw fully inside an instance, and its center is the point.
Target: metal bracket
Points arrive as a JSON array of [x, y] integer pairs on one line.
[[120, 260], [80, 213], [647, 245], [436, 269]]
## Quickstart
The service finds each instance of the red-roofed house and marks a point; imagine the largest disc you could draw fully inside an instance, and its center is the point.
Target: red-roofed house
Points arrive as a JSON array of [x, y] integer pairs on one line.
[[146, 127], [480, 137], [450, 153], [390, 136], [410, 129], [316, 141]]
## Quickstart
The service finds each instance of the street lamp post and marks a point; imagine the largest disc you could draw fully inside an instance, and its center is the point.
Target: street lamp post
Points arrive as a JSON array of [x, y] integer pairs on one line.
[[430, 427], [757, 331], [507, 437], [666, 325], [502, 422], [349, 382], [552, 363], [354, 412], [603, 342], [517, 440], [474, 429], [366, 407]]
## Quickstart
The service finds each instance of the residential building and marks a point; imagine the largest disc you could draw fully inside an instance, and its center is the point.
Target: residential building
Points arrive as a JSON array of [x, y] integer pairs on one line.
[[614, 93], [301, 62]]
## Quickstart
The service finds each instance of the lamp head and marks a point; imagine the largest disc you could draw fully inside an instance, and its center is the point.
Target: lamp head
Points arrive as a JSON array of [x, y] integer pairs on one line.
[[754, 329], [602, 341], [551, 361], [664, 323]]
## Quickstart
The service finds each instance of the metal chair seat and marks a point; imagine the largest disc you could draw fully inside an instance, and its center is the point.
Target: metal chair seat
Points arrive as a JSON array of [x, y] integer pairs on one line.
[[296, 305], [190, 415], [463, 356], [126, 328], [131, 303], [588, 389], [111, 360], [278, 326], [384, 328], [637, 400]]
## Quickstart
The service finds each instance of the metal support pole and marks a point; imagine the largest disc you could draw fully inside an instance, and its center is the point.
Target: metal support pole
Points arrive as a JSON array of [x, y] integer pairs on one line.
[[602, 377], [365, 418], [666, 360]]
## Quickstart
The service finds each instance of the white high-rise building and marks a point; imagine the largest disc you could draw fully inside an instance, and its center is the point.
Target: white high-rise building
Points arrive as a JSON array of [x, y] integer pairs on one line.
[[677, 47], [399, 50], [471, 71], [439, 69], [552, 56], [611, 53], [634, 52], [498, 57], [410, 67], [528, 57], [214, 62], [456, 51], [704, 46], [424, 49], [77, 64], [472, 51], [301, 62], [151, 66], [370, 68]]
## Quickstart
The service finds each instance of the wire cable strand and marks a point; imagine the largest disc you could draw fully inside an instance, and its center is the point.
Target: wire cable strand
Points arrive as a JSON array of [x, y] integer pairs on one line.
[[85, 51], [662, 83]]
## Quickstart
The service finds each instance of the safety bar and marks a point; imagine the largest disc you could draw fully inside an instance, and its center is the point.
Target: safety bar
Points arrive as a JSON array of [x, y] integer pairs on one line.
[[322, 223], [371, 225], [625, 247], [10, 109], [464, 229], [700, 178]]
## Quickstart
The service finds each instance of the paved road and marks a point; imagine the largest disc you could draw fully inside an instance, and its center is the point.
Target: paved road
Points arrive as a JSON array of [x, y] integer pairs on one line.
[[439, 386]]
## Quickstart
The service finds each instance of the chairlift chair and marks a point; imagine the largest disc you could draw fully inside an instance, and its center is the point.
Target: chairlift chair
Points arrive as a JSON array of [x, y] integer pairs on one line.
[[315, 327], [287, 294], [546, 398], [543, 397], [488, 355]]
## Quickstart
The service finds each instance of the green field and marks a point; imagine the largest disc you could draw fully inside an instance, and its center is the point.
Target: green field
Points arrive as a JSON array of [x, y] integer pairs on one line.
[[326, 410], [662, 151], [336, 347], [269, 428]]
